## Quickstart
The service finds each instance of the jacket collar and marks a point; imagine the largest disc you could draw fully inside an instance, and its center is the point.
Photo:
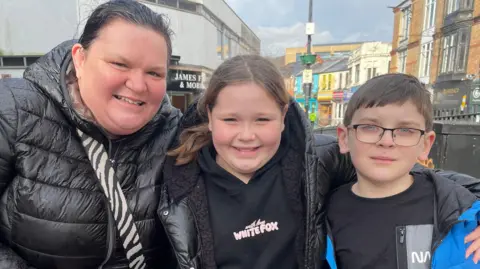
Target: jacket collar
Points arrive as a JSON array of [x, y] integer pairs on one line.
[[49, 76], [450, 202]]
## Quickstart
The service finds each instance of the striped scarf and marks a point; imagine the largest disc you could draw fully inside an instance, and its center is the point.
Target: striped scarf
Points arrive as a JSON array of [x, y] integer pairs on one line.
[[118, 204]]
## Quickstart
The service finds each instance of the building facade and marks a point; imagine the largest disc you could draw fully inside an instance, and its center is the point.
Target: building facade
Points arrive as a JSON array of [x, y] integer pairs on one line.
[[439, 42], [368, 61], [328, 93], [324, 51], [206, 33]]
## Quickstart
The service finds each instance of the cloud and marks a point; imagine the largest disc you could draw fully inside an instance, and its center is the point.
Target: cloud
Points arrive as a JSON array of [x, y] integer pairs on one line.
[[276, 39], [356, 37], [280, 23]]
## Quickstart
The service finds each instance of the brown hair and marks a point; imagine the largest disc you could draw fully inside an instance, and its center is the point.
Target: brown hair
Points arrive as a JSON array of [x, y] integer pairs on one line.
[[392, 89], [237, 70]]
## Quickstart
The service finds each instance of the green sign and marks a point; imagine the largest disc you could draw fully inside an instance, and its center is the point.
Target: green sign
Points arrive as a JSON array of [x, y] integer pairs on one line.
[[475, 93]]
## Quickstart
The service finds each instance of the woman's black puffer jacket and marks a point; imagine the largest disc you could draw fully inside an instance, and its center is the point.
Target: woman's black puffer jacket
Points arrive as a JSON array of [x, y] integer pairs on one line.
[[53, 213]]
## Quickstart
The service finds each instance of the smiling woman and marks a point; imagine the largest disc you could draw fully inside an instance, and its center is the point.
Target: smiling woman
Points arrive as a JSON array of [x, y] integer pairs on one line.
[[123, 88], [82, 139]]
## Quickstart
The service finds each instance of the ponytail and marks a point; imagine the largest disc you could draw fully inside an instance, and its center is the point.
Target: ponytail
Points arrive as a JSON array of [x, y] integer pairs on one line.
[[191, 141]]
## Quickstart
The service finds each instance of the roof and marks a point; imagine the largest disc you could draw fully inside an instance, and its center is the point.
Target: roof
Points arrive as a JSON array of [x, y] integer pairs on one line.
[[291, 69], [328, 66], [341, 44]]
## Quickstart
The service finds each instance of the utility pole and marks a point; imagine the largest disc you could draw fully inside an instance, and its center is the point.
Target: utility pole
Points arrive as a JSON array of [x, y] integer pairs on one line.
[[308, 59]]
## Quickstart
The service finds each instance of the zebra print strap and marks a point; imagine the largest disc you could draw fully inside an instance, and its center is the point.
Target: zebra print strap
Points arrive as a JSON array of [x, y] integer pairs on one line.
[[121, 212]]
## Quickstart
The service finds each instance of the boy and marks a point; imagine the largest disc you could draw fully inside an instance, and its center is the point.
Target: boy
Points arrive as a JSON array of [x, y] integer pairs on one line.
[[392, 217]]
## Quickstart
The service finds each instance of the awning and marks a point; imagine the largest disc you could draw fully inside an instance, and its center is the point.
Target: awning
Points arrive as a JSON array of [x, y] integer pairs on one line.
[[325, 96]]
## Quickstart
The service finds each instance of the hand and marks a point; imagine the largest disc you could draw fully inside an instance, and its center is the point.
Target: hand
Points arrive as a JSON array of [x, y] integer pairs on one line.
[[473, 237]]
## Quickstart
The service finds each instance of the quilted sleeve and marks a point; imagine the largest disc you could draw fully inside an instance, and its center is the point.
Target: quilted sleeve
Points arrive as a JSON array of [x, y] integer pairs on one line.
[[8, 132], [466, 181], [333, 165]]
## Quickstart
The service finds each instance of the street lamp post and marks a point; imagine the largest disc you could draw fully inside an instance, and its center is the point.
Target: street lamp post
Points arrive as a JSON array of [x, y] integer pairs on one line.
[[308, 59]]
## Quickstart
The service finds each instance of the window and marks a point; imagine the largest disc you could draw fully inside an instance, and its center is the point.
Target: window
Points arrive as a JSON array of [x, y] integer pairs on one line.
[[17, 61], [225, 45], [187, 5], [454, 5], [349, 76], [228, 47], [468, 4], [357, 73], [454, 51], [31, 60], [234, 49], [402, 61], [13, 61], [171, 3], [430, 6], [371, 72], [219, 45], [340, 81], [426, 59], [406, 19], [180, 4]]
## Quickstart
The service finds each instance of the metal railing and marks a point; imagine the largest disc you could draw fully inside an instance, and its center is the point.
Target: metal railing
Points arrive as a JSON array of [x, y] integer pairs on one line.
[[454, 115]]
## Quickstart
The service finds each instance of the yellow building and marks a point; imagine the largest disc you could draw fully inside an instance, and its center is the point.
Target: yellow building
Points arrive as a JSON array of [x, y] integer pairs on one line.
[[326, 85], [324, 51]]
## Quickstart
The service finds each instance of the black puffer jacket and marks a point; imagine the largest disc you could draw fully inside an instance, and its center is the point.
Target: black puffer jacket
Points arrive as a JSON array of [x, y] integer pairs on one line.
[[184, 210], [53, 213]]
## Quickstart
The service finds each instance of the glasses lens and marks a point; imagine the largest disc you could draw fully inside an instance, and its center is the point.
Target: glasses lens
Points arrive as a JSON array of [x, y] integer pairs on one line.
[[369, 133], [407, 137]]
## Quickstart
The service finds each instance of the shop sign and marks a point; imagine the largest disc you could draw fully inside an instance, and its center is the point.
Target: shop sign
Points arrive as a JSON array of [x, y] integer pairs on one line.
[[347, 96], [448, 94], [182, 80], [337, 96], [475, 94]]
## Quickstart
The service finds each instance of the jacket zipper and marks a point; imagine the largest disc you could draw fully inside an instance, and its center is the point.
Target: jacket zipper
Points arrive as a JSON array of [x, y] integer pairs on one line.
[[402, 262]]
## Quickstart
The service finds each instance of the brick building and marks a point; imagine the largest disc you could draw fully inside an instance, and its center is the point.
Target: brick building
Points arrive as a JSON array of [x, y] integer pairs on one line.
[[438, 41]]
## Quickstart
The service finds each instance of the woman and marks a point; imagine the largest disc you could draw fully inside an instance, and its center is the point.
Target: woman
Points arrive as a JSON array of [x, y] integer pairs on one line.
[[245, 186], [77, 105]]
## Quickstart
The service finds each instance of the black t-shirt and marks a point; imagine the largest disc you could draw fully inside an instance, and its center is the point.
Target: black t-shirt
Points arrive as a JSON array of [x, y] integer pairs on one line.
[[373, 233], [253, 226]]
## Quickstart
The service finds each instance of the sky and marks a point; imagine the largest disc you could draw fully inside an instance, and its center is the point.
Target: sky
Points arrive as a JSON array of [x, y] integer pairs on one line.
[[281, 23]]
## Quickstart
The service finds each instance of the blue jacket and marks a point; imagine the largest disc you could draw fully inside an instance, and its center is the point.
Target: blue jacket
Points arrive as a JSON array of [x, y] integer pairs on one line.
[[457, 214]]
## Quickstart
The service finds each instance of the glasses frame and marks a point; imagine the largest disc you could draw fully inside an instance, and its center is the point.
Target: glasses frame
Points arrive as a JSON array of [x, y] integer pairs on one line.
[[392, 130]]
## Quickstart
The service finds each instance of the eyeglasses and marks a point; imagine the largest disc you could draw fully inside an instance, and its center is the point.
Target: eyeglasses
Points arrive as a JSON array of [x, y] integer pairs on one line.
[[372, 134]]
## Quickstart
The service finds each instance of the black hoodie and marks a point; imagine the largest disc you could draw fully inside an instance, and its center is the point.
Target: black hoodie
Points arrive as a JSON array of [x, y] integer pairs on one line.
[[253, 225]]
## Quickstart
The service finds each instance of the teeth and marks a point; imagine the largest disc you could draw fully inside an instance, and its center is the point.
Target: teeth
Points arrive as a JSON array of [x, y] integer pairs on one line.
[[139, 103]]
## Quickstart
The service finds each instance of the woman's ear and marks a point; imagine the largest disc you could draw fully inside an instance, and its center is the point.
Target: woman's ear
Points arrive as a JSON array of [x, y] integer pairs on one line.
[[78, 58]]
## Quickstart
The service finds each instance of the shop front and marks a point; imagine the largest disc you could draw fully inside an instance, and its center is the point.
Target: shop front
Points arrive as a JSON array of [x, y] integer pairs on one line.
[[448, 95], [474, 101], [324, 99], [186, 84], [337, 107]]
